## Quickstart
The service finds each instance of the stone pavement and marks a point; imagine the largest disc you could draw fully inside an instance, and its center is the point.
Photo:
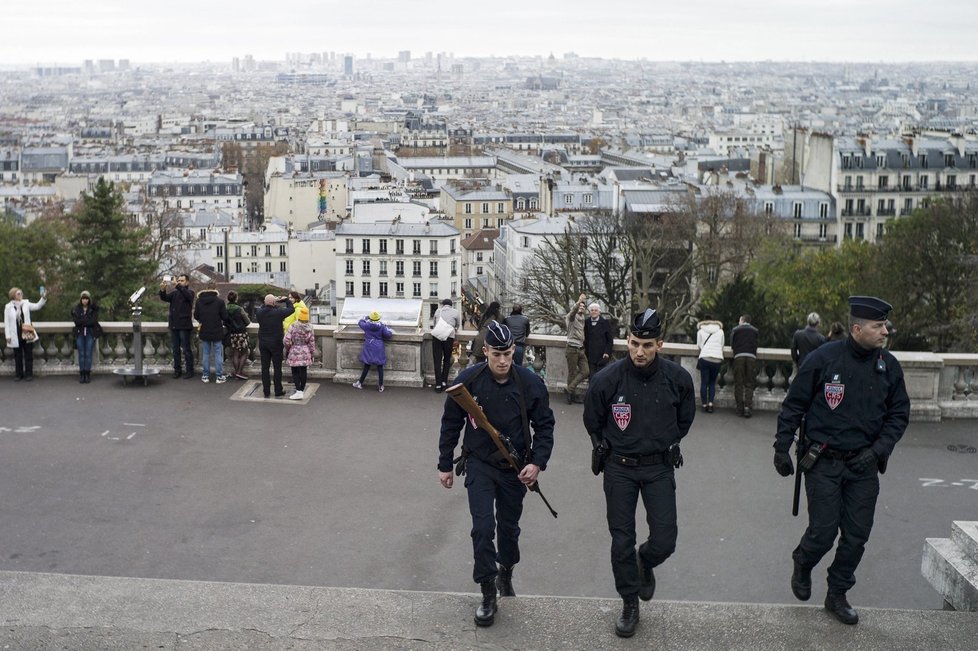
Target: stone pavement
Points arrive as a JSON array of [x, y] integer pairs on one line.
[[51, 611]]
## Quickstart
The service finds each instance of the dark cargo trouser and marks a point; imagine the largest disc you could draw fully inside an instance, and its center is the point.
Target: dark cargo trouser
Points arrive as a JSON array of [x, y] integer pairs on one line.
[[496, 504]]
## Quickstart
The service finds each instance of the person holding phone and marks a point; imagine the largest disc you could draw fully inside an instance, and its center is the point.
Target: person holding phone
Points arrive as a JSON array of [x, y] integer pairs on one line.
[[180, 322], [20, 333]]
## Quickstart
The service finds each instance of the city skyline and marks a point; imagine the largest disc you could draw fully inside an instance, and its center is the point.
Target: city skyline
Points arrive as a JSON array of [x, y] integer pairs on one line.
[[66, 32]]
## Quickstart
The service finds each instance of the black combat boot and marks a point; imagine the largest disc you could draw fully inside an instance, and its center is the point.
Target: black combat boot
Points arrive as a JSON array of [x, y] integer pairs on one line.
[[647, 590], [625, 626], [485, 614], [504, 581], [838, 606], [801, 582], [81, 377]]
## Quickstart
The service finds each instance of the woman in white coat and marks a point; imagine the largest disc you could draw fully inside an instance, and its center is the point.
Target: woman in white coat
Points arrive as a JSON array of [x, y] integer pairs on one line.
[[16, 314], [709, 339]]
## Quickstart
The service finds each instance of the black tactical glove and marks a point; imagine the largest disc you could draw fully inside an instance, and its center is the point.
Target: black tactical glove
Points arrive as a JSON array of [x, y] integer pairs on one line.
[[862, 461], [782, 463]]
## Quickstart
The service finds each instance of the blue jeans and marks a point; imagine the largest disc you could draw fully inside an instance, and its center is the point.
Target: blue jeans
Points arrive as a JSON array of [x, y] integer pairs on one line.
[[85, 344], [180, 339], [709, 371], [205, 352], [518, 354]]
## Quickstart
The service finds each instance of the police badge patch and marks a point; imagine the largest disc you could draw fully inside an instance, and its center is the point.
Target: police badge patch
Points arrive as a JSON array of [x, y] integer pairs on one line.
[[834, 394], [622, 413]]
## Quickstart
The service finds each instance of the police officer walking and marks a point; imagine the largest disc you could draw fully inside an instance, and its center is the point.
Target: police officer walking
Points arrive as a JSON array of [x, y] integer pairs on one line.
[[512, 398], [852, 396], [638, 409]]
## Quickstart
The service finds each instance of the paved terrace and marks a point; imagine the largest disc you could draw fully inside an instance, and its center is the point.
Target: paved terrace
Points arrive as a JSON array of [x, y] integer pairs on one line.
[[268, 524]]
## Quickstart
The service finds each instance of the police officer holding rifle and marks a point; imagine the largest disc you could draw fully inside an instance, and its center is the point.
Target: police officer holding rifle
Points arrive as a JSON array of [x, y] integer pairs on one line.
[[512, 398], [636, 411], [852, 396]]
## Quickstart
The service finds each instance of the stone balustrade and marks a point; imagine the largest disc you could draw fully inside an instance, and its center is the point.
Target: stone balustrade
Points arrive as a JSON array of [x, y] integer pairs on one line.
[[940, 385]]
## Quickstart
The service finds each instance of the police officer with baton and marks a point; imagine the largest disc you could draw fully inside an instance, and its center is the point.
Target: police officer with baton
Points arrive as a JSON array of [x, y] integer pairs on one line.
[[852, 396]]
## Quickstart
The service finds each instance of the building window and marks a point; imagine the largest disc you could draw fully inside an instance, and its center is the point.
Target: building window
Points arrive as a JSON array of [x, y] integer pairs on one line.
[[468, 224], [533, 204], [268, 250], [399, 289], [952, 181], [349, 245], [907, 206], [468, 209], [433, 269], [797, 230], [254, 250], [349, 267], [281, 250], [382, 289], [416, 290], [237, 251], [399, 268], [796, 210], [823, 210], [520, 204], [454, 267], [882, 182], [478, 256], [383, 246], [485, 207], [349, 288], [382, 270], [823, 229], [923, 181], [282, 266], [237, 267], [365, 267], [500, 207], [433, 290], [485, 223], [478, 271], [220, 250], [948, 160], [268, 267], [859, 182], [588, 199], [880, 160], [399, 247], [451, 246], [416, 268], [848, 182], [433, 247], [220, 267], [568, 199], [416, 247], [525, 241], [365, 286], [768, 207], [365, 243]]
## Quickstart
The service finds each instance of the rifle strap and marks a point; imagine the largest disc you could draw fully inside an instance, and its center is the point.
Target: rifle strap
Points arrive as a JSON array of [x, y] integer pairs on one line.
[[521, 397]]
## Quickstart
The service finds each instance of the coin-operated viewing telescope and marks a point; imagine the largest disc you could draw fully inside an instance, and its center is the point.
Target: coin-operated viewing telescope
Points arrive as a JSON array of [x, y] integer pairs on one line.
[[137, 371]]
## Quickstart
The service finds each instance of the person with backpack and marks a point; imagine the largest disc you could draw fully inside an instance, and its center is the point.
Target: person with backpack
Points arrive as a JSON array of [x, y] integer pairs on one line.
[[238, 323]]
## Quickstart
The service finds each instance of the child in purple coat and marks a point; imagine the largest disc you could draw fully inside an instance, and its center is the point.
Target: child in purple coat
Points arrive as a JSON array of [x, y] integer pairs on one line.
[[373, 353]]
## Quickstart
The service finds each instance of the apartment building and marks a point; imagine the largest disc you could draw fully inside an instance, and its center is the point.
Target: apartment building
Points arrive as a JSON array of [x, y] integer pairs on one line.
[[306, 197], [260, 256], [192, 189], [398, 260], [445, 168], [118, 169], [475, 206], [811, 213]]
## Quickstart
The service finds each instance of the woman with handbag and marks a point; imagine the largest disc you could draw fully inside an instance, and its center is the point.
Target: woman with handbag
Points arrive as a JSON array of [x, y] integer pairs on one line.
[[709, 339], [19, 332], [86, 330]]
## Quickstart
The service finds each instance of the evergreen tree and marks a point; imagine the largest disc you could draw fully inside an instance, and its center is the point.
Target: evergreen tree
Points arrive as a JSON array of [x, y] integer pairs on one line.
[[112, 256]]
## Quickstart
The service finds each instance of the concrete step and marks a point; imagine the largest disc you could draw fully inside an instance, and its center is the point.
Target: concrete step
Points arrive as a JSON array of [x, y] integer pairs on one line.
[[51, 611], [965, 536]]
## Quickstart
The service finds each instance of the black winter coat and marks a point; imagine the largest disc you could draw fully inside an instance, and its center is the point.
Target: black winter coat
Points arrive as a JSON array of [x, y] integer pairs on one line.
[[181, 301], [85, 320], [270, 323], [211, 312], [598, 340]]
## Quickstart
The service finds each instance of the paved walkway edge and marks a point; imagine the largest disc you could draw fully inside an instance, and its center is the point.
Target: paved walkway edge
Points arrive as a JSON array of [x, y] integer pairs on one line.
[[41, 611]]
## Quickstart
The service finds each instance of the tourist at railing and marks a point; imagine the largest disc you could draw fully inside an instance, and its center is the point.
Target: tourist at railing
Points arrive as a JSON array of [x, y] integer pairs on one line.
[[237, 339], [443, 341], [577, 367], [743, 342], [180, 322], [270, 347], [519, 324], [300, 350], [86, 331], [373, 353], [709, 339], [808, 338], [490, 314], [211, 313], [599, 341], [19, 331], [837, 331], [295, 299]]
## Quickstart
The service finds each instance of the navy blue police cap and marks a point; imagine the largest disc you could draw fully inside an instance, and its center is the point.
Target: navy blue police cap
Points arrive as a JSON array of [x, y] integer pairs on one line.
[[646, 325], [869, 307], [498, 336]]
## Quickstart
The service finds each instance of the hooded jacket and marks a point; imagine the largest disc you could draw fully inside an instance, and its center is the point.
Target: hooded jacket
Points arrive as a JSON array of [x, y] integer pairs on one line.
[[374, 333], [709, 339], [211, 312]]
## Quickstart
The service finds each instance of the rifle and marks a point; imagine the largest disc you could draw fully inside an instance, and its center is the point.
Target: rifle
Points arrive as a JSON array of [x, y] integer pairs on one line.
[[460, 394], [799, 453]]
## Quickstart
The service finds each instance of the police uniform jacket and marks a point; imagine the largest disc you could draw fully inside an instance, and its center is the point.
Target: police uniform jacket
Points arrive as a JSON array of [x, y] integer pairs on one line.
[[851, 398], [640, 411], [501, 404]]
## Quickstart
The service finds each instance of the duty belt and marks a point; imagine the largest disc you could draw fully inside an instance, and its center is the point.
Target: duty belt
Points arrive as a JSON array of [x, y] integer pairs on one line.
[[840, 455], [649, 460]]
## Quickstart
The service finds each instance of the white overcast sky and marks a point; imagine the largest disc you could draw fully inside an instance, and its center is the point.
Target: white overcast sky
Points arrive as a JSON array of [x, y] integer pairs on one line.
[[68, 31]]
